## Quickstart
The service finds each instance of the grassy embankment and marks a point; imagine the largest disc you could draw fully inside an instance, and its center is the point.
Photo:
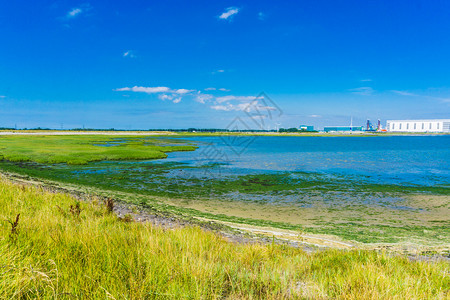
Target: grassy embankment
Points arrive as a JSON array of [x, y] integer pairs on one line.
[[77, 149], [56, 250]]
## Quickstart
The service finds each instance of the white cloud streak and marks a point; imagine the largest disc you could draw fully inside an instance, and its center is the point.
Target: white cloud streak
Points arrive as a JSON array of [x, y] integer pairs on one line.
[[409, 94], [404, 93], [74, 12], [129, 54], [247, 107], [164, 93], [223, 103], [236, 98], [365, 91], [203, 98], [229, 13], [216, 89], [143, 89]]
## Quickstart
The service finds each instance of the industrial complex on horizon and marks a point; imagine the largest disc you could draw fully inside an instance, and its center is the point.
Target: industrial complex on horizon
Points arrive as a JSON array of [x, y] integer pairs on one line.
[[419, 126]]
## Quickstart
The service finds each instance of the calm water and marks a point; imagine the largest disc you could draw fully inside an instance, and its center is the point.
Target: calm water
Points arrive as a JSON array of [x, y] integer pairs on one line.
[[423, 160]]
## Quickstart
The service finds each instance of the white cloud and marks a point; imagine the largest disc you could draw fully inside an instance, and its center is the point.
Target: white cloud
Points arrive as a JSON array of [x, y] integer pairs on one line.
[[216, 89], [409, 94], [366, 80], [365, 91], [229, 13], [2, 96], [172, 98], [74, 12], [404, 93], [236, 98], [203, 98], [218, 71], [261, 16], [247, 107], [223, 103], [164, 93], [315, 116], [129, 54], [165, 97], [183, 91], [220, 107], [143, 89]]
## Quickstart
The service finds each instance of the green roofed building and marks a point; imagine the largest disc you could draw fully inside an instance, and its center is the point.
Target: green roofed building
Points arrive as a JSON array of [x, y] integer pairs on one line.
[[342, 128]]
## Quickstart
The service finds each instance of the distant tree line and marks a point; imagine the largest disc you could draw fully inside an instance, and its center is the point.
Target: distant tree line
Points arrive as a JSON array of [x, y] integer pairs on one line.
[[212, 130], [293, 129]]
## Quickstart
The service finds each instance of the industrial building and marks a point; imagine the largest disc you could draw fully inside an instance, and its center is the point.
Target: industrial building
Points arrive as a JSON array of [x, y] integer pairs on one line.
[[306, 128], [437, 125], [342, 128]]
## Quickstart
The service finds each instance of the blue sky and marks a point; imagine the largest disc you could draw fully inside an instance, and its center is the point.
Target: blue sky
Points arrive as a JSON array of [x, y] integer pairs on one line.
[[179, 64]]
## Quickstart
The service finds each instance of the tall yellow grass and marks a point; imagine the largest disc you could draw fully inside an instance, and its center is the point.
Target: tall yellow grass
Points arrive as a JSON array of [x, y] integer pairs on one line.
[[57, 253]]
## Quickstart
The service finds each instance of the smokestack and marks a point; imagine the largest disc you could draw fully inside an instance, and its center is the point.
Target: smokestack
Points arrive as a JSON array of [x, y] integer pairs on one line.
[[379, 125]]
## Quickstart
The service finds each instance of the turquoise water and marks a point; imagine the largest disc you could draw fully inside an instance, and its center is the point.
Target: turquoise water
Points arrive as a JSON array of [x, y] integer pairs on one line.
[[403, 160]]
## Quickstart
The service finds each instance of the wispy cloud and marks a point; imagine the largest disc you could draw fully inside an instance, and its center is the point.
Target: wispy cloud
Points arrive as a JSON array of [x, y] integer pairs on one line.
[[2, 96], [172, 98], [218, 71], [261, 16], [164, 93], [247, 107], [216, 89], [236, 98], [229, 13], [129, 54], [404, 93], [77, 11], [366, 80], [315, 116], [365, 91], [203, 98], [143, 89], [223, 103], [183, 91], [410, 94], [74, 12]]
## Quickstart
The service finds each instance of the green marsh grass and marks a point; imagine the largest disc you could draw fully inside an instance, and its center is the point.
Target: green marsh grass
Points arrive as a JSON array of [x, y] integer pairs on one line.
[[91, 254], [79, 150]]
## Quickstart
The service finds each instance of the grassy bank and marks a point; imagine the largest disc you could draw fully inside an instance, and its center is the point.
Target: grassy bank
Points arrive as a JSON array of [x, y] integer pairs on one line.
[[56, 250]]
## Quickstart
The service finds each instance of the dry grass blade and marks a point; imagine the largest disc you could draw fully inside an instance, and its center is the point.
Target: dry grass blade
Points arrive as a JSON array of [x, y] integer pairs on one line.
[[109, 205], [14, 225], [75, 210]]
